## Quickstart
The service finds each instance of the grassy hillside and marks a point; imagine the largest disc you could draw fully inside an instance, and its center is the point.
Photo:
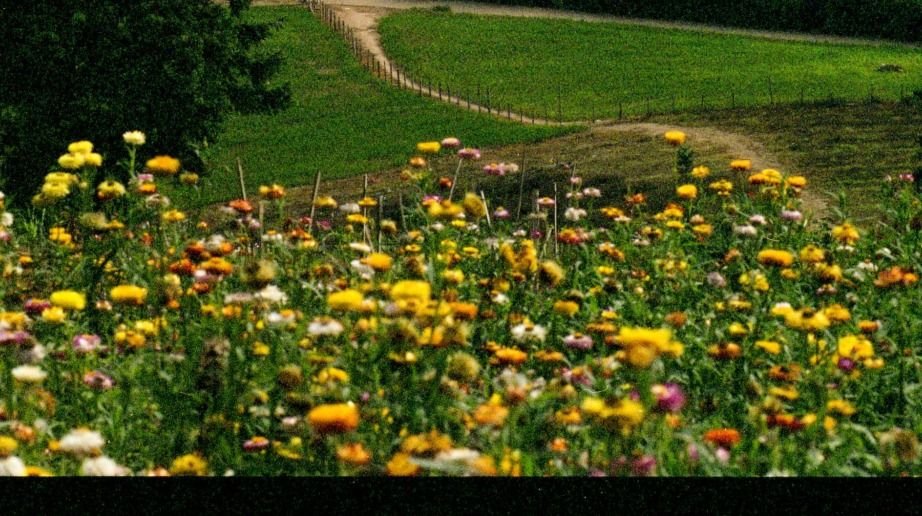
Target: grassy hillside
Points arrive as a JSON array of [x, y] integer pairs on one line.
[[342, 121], [599, 68]]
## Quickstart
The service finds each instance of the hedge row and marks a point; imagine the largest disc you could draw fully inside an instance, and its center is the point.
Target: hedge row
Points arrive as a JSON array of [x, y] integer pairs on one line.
[[899, 20]]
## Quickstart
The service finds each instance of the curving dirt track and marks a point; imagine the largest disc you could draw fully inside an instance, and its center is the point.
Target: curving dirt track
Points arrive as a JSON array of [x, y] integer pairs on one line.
[[361, 18]]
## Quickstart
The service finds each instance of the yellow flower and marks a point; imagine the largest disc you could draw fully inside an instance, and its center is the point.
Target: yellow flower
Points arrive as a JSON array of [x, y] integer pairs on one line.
[[81, 147], [722, 187], [55, 190], [552, 273], [643, 345], [345, 300], [700, 172], [55, 315], [855, 347], [567, 308], [189, 465], [741, 164], [812, 254], [275, 191], [840, 407], [400, 465], [837, 313], [173, 216], [134, 138], [687, 192], [674, 138], [474, 206], [807, 320], [334, 418], [128, 294], [845, 233], [163, 165], [69, 299], [378, 261], [787, 393], [110, 190], [71, 161], [453, 276], [775, 257], [428, 147], [411, 290], [769, 346], [92, 160], [7, 445]]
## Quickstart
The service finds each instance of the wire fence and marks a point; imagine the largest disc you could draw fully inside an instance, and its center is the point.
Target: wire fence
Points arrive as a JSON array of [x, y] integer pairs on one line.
[[483, 99]]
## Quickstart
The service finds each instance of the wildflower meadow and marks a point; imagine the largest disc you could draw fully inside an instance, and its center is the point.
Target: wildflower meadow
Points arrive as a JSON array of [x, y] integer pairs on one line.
[[729, 332]]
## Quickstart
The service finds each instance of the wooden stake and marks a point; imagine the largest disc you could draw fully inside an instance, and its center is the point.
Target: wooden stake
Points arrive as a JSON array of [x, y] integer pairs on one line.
[[314, 200], [243, 186], [486, 209]]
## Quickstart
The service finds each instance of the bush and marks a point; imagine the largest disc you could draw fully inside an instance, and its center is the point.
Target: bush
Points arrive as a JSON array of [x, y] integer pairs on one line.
[[171, 68]]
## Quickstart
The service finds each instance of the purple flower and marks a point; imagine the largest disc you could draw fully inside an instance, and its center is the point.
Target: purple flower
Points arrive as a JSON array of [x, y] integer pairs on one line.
[[98, 380], [792, 215], [644, 466], [716, 280], [467, 153], [846, 364], [17, 337], [36, 306], [86, 343], [578, 341], [494, 169], [669, 397]]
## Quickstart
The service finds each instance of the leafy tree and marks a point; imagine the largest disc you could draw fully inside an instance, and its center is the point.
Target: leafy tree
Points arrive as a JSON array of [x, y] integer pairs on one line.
[[96, 68]]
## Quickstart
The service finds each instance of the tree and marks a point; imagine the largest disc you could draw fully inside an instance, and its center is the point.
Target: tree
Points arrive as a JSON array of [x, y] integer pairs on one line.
[[170, 68]]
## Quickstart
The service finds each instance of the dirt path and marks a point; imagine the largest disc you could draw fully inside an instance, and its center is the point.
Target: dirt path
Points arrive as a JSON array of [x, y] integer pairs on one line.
[[361, 19]]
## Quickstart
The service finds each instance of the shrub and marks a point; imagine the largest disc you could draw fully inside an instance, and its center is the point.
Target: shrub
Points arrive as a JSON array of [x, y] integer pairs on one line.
[[172, 67]]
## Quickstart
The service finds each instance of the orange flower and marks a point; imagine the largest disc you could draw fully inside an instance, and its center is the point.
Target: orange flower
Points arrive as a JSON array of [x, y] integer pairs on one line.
[[513, 356], [334, 418], [725, 351], [895, 275], [491, 413], [400, 465], [163, 165], [241, 206], [723, 437], [353, 453], [777, 257]]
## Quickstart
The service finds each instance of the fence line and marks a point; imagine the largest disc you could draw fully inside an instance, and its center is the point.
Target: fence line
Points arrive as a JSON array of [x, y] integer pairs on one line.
[[484, 101]]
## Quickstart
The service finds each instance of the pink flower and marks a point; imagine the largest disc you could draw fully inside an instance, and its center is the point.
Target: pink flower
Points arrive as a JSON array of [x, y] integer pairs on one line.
[[98, 380], [578, 341], [86, 343], [669, 397], [469, 154], [451, 143]]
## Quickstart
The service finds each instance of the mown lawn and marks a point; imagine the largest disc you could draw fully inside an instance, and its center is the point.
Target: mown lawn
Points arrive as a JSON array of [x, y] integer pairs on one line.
[[342, 121], [597, 69]]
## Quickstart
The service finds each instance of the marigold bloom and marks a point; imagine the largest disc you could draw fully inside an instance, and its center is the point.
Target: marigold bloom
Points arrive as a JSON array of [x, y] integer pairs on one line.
[[345, 300], [400, 465], [378, 261], [674, 138], [163, 165], [895, 275], [741, 165], [69, 299], [511, 356], [128, 294], [845, 233], [492, 413], [411, 290], [776, 257], [334, 418], [723, 437], [840, 407], [687, 192], [428, 147], [353, 453], [189, 465], [700, 172]]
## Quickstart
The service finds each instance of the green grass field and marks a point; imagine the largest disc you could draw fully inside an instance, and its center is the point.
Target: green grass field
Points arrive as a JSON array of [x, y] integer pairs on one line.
[[342, 121], [598, 68]]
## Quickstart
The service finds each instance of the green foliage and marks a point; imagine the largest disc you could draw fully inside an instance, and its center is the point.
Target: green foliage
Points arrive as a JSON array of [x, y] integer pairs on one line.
[[596, 70], [172, 69], [684, 161]]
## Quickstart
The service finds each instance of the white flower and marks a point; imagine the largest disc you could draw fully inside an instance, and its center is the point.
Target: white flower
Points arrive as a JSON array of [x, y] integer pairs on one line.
[[34, 355], [747, 230], [592, 192], [237, 298], [6, 219], [325, 326], [102, 467], [867, 265], [134, 138], [215, 242], [363, 270], [438, 226], [350, 207], [12, 467], [277, 319], [529, 332], [82, 441], [500, 298], [360, 247], [29, 374], [272, 238], [757, 220], [272, 294], [574, 214]]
